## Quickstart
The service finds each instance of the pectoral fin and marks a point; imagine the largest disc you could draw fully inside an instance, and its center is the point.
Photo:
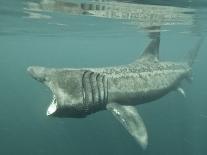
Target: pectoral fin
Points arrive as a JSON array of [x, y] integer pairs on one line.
[[181, 91], [131, 120]]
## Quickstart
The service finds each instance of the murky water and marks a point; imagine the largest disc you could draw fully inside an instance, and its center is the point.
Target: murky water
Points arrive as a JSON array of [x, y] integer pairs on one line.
[[69, 33]]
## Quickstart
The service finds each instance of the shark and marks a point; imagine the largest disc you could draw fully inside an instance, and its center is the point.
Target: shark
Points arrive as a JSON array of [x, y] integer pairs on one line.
[[79, 92]]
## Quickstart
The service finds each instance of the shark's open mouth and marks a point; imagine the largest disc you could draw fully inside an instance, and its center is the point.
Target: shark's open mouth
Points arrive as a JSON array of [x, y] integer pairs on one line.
[[52, 107]]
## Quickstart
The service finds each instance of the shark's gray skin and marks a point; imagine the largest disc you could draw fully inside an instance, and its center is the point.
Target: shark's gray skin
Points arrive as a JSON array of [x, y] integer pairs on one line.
[[80, 92]]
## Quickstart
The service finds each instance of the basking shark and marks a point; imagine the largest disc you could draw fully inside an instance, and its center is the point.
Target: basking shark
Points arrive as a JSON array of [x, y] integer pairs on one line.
[[81, 92]]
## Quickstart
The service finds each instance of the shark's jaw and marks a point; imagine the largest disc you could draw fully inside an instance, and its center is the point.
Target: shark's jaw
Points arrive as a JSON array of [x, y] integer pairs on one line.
[[52, 107], [39, 74]]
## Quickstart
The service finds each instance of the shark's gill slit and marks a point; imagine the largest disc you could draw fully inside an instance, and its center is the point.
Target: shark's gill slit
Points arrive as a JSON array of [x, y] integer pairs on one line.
[[104, 81], [84, 91], [107, 90], [83, 88], [98, 87], [92, 87], [94, 91], [101, 89]]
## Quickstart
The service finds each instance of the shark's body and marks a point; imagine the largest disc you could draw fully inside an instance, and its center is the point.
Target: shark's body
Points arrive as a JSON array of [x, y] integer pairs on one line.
[[80, 92]]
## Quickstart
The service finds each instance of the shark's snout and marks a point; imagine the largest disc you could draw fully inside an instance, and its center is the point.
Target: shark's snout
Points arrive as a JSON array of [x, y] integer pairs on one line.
[[41, 74], [38, 73]]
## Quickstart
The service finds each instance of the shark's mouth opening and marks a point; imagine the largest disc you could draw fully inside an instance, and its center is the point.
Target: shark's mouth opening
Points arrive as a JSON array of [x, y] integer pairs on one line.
[[52, 107]]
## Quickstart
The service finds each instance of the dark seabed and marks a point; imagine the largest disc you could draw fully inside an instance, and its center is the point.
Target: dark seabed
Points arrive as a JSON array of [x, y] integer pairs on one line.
[[60, 34]]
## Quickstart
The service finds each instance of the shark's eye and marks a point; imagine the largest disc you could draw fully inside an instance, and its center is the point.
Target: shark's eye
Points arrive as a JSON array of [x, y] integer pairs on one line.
[[42, 79]]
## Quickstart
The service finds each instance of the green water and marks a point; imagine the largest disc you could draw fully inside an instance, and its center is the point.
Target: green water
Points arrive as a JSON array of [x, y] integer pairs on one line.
[[175, 125]]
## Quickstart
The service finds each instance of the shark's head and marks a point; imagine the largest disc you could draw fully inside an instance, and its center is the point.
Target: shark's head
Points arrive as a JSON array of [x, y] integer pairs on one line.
[[66, 86]]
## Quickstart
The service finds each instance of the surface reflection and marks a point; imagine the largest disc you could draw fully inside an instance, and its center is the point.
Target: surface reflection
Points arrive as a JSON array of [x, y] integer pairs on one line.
[[147, 16]]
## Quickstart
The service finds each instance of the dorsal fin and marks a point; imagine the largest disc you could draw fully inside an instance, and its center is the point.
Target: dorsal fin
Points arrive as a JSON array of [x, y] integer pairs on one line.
[[151, 52]]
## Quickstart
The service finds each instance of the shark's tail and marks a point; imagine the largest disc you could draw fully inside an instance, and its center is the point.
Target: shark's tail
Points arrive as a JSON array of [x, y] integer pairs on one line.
[[192, 54]]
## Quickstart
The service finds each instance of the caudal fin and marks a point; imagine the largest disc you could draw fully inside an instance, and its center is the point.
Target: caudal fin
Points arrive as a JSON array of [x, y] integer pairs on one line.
[[192, 54]]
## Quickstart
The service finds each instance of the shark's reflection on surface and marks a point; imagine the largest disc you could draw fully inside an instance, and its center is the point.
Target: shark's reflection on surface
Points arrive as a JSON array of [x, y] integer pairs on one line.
[[142, 15]]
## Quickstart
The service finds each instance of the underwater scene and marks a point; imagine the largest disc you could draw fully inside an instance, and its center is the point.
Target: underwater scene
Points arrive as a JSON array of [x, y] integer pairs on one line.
[[103, 77]]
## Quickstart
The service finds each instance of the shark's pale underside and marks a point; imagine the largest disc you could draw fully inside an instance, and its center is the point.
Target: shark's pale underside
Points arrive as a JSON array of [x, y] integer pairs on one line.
[[80, 92]]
